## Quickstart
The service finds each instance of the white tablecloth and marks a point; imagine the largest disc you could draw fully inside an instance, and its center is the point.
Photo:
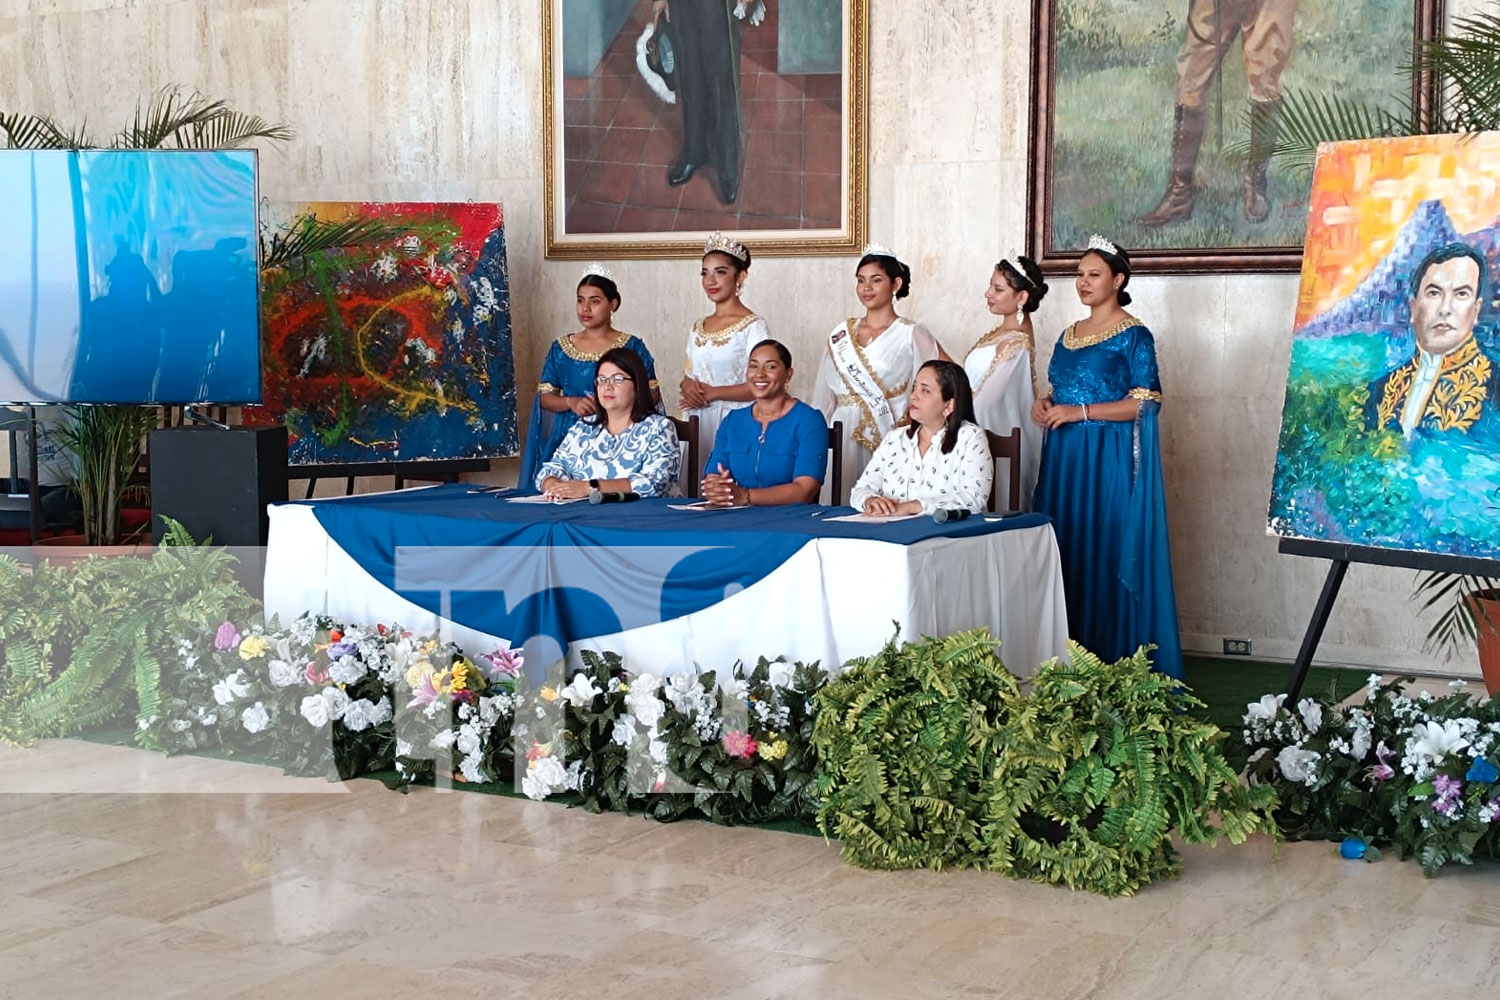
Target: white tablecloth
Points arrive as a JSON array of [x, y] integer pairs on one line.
[[835, 599]]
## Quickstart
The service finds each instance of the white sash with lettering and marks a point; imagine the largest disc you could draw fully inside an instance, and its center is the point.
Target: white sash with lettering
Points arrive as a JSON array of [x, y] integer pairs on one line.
[[861, 382]]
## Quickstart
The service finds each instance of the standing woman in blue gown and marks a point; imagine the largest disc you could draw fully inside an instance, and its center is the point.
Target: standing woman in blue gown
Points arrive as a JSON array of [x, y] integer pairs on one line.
[[565, 390], [1101, 480]]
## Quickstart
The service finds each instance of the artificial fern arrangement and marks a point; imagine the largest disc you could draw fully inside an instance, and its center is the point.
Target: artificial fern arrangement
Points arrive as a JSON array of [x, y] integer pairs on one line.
[[905, 738], [1097, 766]]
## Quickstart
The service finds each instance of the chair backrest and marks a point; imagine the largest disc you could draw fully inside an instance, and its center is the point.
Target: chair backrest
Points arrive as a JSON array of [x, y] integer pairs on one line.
[[691, 469], [836, 467], [1007, 447]]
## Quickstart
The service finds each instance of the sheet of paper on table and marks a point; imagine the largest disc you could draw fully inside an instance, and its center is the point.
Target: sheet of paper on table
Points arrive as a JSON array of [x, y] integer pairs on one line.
[[539, 498], [704, 505], [873, 518]]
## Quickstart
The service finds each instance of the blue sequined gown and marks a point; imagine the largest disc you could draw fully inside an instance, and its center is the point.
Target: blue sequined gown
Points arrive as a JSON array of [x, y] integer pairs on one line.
[[1101, 484], [569, 372]]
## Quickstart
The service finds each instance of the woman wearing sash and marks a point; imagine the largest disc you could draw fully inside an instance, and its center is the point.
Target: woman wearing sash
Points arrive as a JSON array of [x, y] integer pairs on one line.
[[939, 461], [565, 391], [866, 373], [713, 381], [1002, 364], [1101, 480]]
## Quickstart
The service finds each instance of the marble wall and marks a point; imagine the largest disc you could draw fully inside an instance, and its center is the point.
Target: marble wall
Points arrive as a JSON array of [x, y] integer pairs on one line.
[[441, 99]]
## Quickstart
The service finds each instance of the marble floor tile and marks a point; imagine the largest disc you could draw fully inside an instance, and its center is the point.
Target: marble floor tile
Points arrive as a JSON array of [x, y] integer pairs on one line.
[[365, 893]]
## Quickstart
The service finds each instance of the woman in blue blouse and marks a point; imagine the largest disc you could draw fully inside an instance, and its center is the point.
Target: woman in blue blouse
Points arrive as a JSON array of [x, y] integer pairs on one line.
[[1101, 480], [773, 451], [624, 447], [565, 391]]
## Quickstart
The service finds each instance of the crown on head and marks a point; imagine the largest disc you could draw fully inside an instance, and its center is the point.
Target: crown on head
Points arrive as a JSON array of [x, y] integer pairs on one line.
[[1013, 262], [876, 250], [598, 270], [1097, 242], [719, 243]]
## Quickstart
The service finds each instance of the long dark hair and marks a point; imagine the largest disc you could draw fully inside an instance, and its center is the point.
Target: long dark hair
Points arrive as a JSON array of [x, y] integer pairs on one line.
[[953, 383], [893, 269], [1028, 279], [609, 288], [631, 364], [1118, 263]]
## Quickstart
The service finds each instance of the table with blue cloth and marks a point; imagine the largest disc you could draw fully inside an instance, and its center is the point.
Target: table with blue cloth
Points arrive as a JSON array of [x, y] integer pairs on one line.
[[666, 588]]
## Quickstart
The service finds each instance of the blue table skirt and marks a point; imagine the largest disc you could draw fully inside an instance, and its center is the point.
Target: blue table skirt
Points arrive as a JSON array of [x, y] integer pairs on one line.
[[576, 571]]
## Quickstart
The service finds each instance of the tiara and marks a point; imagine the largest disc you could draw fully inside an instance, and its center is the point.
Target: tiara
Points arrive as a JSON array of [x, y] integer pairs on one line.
[[598, 270], [876, 250], [1097, 242], [719, 243], [1013, 262]]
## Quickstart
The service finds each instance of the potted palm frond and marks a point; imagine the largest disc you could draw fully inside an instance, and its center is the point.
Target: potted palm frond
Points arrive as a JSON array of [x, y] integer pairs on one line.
[[1451, 85], [106, 440]]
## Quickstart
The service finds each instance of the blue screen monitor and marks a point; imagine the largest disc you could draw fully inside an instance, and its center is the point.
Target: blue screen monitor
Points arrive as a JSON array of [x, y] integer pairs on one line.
[[129, 276]]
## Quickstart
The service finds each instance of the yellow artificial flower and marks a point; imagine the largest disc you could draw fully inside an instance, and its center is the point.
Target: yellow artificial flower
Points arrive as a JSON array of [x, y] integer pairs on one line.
[[442, 683], [253, 646], [460, 678], [417, 673], [772, 751], [548, 694]]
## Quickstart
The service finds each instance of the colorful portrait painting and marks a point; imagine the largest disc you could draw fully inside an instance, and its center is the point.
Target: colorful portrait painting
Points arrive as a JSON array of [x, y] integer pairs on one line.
[[398, 351], [1390, 432], [1154, 121], [667, 120]]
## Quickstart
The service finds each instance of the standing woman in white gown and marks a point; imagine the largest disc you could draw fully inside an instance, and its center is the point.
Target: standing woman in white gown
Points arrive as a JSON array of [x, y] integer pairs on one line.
[[713, 379], [1002, 365], [869, 363]]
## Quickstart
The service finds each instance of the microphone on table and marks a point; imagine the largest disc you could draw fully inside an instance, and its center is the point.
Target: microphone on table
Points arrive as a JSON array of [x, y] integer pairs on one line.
[[597, 497], [944, 516]]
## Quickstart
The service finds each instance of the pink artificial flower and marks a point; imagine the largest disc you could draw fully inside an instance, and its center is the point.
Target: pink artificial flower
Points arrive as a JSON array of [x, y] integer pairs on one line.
[[1383, 771], [503, 663], [738, 744], [227, 637], [314, 675], [1448, 790], [426, 693]]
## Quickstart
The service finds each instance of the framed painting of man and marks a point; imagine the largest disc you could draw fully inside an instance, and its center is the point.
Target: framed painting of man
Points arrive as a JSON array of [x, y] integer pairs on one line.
[[667, 120], [1153, 121], [1390, 434]]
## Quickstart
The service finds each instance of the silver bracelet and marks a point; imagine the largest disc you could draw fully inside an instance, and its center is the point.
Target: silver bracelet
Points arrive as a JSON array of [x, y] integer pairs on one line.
[[1085, 411]]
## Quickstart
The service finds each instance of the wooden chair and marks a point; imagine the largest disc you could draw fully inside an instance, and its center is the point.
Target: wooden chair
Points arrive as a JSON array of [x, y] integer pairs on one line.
[[836, 470], [692, 471], [1007, 447]]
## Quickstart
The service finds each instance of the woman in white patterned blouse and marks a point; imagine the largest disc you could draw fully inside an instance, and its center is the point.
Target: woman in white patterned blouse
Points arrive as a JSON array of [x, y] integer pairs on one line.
[[940, 461], [624, 447]]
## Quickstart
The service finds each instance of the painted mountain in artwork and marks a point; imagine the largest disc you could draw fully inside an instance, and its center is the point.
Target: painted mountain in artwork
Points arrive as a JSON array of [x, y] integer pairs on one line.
[[1381, 302]]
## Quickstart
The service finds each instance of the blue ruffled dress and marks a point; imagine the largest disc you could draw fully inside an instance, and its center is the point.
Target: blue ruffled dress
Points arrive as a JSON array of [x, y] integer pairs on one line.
[[568, 372], [1101, 483]]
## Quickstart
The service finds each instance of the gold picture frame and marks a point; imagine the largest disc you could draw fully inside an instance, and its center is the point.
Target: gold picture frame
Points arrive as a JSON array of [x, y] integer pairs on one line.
[[607, 128]]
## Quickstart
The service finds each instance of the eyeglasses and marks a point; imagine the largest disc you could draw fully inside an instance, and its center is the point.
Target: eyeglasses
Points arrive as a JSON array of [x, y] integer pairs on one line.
[[614, 380]]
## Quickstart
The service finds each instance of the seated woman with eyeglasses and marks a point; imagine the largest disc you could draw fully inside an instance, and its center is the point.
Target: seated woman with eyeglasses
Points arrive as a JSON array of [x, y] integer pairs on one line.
[[773, 451], [624, 447], [939, 461]]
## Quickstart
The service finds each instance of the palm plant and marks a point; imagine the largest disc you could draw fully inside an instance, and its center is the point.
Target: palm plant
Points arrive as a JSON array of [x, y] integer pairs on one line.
[[1451, 85], [106, 440]]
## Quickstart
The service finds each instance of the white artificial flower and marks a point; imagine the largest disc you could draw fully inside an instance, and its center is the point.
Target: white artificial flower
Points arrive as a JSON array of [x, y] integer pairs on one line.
[[780, 674], [443, 739], [403, 748], [581, 691], [467, 741], [382, 712], [624, 730], [315, 710], [338, 702], [346, 670], [465, 711], [658, 750], [469, 768], [682, 690], [234, 686], [179, 725], [206, 718], [613, 685], [255, 718], [1457, 685], [1432, 741], [574, 776], [1265, 709], [357, 715], [733, 688], [642, 700], [282, 673], [1312, 714], [544, 777], [1298, 764]]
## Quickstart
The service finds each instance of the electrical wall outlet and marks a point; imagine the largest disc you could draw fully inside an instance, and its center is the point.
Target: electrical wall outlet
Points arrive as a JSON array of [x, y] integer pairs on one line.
[[1236, 647]]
